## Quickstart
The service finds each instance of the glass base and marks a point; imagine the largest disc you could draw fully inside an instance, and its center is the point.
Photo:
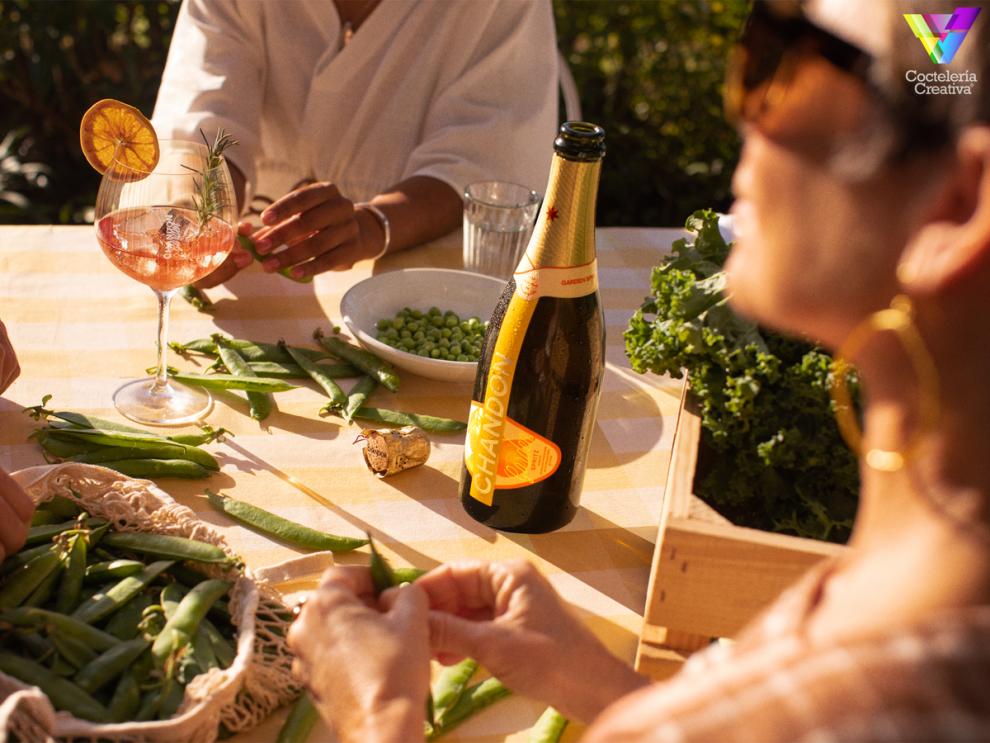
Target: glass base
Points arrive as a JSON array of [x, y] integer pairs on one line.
[[172, 405]]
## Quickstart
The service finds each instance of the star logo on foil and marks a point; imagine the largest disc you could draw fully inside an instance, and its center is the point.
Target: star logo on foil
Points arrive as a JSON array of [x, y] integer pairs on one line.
[[552, 213]]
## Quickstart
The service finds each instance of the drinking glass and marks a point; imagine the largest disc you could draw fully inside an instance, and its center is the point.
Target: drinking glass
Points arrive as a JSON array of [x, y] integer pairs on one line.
[[498, 220], [166, 228]]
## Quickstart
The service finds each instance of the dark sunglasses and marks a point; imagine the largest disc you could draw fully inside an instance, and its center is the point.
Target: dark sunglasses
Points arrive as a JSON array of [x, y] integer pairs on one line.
[[776, 37]]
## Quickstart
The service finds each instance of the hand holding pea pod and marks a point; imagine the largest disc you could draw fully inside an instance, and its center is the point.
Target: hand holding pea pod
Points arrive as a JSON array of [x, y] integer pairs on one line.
[[333, 640]]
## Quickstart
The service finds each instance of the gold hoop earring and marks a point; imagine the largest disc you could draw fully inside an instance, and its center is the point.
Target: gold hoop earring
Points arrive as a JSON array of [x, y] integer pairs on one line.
[[898, 319]]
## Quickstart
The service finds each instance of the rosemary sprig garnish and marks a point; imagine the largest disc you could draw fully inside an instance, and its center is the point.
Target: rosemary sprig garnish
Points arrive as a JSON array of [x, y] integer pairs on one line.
[[210, 196]]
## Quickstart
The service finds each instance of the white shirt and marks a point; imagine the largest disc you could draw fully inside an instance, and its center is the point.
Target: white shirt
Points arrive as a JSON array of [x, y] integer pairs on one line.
[[460, 90]]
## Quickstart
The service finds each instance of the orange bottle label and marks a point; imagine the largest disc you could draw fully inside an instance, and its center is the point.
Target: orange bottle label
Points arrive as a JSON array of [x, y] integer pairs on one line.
[[523, 456]]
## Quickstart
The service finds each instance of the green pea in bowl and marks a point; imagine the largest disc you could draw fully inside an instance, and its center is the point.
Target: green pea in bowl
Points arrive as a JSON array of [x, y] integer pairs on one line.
[[369, 309]]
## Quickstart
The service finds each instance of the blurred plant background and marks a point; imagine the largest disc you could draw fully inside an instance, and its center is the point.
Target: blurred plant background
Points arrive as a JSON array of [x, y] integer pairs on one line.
[[650, 71]]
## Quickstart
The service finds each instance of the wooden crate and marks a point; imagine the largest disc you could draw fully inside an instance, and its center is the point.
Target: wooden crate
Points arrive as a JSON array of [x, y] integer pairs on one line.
[[709, 577]]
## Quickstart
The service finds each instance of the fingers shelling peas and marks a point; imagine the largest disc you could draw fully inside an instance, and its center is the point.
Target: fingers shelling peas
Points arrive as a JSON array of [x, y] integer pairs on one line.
[[281, 528], [433, 334], [248, 244], [363, 360]]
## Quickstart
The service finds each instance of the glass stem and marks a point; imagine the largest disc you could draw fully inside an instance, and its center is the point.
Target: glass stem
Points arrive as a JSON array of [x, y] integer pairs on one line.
[[161, 375]]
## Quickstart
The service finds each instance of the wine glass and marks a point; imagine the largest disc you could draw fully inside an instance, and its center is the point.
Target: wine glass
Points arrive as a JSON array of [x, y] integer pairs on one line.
[[166, 228]]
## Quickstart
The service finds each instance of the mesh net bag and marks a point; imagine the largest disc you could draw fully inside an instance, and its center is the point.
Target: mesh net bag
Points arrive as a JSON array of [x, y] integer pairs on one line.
[[239, 697]]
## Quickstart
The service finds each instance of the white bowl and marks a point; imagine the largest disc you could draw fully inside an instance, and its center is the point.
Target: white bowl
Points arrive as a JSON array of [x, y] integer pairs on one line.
[[382, 296]]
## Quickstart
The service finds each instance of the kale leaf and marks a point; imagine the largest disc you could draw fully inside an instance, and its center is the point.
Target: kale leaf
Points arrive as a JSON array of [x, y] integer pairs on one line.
[[772, 457]]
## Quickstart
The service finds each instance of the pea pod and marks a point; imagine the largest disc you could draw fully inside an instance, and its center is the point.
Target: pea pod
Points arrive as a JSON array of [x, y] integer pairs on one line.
[[72, 576], [126, 698], [294, 371], [118, 453], [42, 517], [167, 546], [76, 653], [223, 650], [79, 420], [260, 403], [206, 436], [549, 727], [109, 665], [151, 702], [195, 297], [172, 693], [231, 382], [163, 448], [474, 699], [399, 418], [63, 693], [125, 624], [23, 557], [300, 722], [171, 596], [202, 650], [358, 394], [363, 360], [272, 525], [62, 506], [451, 683], [26, 579], [248, 244], [249, 350], [46, 532], [105, 603], [178, 630], [43, 592], [99, 572], [59, 446], [336, 395], [55, 623], [382, 576], [156, 468]]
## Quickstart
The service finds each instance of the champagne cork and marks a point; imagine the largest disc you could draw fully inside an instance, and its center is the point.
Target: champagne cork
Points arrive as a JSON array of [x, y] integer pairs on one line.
[[387, 450]]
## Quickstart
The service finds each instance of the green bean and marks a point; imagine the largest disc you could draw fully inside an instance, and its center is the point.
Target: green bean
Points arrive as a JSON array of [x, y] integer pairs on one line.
[[358, 394], [363, 360], [62, 693], [249, 350], [178, 630], [74, 652], [260, 403], [473, 700], [107, 666], [155, 468], [300, 722], [231, 382], [42, 517], [46, 532], [549, 728], [452, 682], [98, 572], [23, 557], [272, 525], [26, 579], [126, 698], [145, 442], [336, 395], [276, 370], [72, 577], [248, 244], [197, 299], [40, 595], [165, 545], [382, 576], [223, 650], [55, 623], [125, 624], [399, 418], [105, 603]]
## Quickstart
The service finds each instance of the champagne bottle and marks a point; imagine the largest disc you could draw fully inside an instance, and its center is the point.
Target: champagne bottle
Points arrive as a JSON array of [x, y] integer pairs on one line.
[[540, 372]]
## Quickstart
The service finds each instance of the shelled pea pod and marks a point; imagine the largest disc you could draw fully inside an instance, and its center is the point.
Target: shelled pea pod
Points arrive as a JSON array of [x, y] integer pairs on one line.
[[195, 297], [250, 351], [474, 699], [273, 525], [232, 382], [300, 723], [327, 383], [103, 604], [363, 360], [63, 693], [179, 630], [259, 403], [549, 728], [167, 546], [399, 418], [248, 244]]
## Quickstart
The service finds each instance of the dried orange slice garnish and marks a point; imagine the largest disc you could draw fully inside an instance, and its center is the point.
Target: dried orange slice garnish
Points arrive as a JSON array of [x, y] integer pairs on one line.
[[118, 137]]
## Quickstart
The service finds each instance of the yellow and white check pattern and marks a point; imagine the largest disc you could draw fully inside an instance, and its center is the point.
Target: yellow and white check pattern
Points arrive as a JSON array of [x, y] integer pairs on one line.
[[81, 328]]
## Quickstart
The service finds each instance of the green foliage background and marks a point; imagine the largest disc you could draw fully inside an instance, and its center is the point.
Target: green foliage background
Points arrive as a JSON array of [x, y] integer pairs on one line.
[[649, 71]]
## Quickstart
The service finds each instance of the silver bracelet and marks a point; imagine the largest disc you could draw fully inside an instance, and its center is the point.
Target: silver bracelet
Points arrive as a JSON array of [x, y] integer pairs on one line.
[[383, 221]]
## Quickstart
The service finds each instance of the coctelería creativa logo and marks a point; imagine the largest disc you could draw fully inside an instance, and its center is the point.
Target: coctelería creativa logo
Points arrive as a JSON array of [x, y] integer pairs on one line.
[[942, 33]]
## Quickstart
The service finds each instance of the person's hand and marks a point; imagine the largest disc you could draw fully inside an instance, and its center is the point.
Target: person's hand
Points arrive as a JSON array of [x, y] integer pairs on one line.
[[315, 229], [508, 617], [9, 368], [366, 662], [16, 509], [239, 258]]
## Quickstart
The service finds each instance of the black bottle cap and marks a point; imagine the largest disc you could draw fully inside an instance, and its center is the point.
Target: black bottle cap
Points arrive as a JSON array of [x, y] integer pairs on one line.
[[580, 140]]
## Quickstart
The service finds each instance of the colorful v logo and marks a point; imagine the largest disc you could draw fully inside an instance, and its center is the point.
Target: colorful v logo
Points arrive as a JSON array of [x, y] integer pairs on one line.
[[941, 33]]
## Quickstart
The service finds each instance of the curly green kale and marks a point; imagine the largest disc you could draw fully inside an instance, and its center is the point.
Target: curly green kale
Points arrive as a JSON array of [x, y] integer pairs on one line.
[[772, 456]]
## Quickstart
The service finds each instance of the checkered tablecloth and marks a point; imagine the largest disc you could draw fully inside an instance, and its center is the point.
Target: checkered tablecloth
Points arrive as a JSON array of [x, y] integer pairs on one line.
[[80, 328]]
